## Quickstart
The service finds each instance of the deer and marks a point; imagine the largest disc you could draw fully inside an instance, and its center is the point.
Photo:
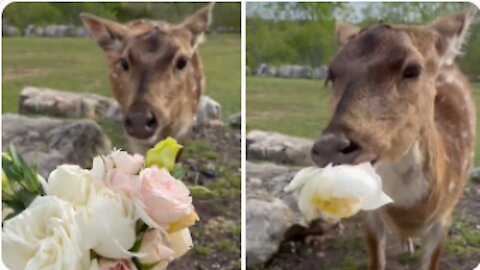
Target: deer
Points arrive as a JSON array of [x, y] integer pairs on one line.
[[401, 103], [155, 73]]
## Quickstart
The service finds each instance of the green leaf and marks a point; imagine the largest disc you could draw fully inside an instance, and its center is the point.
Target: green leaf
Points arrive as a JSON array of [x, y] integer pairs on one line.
[[179, 171], [199, 191]]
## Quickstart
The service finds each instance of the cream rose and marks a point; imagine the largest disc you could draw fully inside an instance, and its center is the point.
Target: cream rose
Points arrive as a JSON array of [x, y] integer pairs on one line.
[[338, 191], [180, 242], [104, 264], [44, 236], [155, 250]]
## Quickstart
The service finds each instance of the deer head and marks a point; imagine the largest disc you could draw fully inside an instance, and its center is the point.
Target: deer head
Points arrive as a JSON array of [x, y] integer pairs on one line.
[[383, 79], [155, 72]]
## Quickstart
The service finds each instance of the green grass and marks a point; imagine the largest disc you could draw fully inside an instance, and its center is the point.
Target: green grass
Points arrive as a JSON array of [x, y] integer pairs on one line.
[[75, 64], [300, 107]]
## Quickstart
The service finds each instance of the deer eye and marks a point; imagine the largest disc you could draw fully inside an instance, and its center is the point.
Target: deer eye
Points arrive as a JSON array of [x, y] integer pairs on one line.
[[181, 63], [124, 64], [412, 71]]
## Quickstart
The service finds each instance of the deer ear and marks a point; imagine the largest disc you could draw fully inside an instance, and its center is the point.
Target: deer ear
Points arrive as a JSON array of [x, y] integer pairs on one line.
[[108, 34], [451, 35], [199, 22], [345, 32]]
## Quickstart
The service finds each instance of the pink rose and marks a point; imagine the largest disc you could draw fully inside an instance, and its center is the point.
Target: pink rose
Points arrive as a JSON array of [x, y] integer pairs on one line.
[[126, 184], [118, 171], [129, 164], [155, 250], [105, 264], [165, 200]]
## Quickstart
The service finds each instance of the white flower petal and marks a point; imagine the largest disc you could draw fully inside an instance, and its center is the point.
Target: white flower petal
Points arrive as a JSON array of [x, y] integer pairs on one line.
[[180, 242], [379, 202]]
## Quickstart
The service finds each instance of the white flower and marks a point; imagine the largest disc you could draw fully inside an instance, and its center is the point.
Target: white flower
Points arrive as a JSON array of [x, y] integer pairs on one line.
[[338, 191], [72, 184], [180, 242], [44, 236], [109, 219], [106, 218]]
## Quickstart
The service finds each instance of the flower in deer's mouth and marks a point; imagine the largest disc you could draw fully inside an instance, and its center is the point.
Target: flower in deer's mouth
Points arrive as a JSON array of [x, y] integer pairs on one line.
[[46, 235], [338, 191]]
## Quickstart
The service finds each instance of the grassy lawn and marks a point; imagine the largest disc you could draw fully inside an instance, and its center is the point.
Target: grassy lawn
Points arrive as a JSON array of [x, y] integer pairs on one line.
[[74, 64], [299, 107]]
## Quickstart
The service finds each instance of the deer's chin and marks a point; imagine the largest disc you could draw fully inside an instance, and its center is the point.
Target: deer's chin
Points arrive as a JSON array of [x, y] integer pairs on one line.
[[150, 141]]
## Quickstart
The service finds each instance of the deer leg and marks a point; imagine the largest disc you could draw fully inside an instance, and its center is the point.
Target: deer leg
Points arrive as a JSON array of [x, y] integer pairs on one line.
[[432, 246], [376, 238]]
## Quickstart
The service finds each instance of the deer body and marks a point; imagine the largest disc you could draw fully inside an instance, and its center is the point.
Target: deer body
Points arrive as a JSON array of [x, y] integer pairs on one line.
[[402, 104], [155, 73], [426, 183]]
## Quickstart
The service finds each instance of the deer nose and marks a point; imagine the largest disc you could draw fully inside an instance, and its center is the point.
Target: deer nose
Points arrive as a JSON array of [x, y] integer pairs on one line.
[[334, 148], [140, 124]]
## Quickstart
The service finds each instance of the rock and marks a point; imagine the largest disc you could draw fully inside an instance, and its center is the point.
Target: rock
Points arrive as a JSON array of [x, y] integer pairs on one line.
[[278, 148], [33, 31], [10, 31], [475, 174], [260, 70], [319, 73], [50, 142], [81, 32], [51, 102], [267, 221], [294, 71], [235, 120], [248, 71], [208, 112], [60, 30], [273, 215]]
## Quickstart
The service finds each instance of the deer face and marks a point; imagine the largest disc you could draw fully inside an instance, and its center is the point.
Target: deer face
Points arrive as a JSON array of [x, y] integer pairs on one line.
[[383, 81], [155, 72]]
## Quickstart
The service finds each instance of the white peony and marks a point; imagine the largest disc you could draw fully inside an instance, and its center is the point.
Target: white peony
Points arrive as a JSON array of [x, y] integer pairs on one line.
[[72, 184], [338, 191], [109, 219], [44, 236], [106, 218]]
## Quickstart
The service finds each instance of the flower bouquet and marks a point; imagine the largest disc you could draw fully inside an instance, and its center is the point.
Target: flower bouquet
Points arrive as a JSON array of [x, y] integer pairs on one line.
[[127, 212]]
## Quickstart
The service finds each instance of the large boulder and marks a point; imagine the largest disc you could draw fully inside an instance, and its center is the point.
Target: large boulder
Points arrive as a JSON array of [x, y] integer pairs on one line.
[[272, 214], [279, 148], [49, 142], [34, 100], [45, 101]]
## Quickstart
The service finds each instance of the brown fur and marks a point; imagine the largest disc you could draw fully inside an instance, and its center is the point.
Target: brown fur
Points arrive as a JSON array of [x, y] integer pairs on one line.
[[381, 114], [153, 84]]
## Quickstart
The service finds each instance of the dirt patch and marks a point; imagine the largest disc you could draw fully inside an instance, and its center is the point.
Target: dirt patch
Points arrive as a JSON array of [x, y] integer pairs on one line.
[[213, 159], [343, 247]]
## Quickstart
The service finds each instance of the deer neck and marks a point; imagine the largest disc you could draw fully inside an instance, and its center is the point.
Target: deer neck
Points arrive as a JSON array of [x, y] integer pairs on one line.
[[415, 175]]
